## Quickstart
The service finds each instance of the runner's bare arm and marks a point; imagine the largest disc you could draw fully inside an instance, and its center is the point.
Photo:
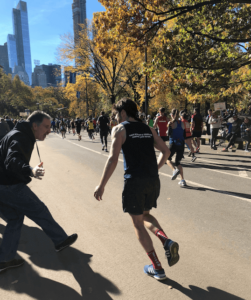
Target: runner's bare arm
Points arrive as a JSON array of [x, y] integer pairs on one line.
[[155, 123], [162, 147], [118, 138]]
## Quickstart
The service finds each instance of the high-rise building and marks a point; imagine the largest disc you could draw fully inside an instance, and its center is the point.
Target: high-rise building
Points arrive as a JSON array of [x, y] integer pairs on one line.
[[79, 16], [22, 74], [53, 74], [39, 77], [4, 59], [12, 51], [22, 40]]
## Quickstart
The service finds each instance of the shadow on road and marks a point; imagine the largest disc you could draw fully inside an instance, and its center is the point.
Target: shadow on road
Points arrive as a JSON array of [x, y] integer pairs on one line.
[[230, 160], [242, 195], [217, 166], [197, 293], [224, 154], [26, 280]]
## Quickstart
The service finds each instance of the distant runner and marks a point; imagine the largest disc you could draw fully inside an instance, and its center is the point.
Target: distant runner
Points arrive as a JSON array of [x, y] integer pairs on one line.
[[161, 122], [103, 122]]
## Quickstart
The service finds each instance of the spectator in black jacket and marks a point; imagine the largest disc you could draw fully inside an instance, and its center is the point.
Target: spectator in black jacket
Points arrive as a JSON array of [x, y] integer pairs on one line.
[[17, 200], [9, 122]]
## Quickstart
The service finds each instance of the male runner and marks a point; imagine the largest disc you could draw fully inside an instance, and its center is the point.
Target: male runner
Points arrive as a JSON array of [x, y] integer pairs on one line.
[[197, 125], [183, 118], [142, 185], [177, 134], [103, 122], [90, 129], [161, 122], [78, 123]]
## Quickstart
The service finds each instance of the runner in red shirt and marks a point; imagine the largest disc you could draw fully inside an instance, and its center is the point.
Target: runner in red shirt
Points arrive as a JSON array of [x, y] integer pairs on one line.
[[161, 122]]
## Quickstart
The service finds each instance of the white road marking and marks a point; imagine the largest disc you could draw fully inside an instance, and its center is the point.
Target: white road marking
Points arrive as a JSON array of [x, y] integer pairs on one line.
[[243, 174], [232, 166], [80, 146], [210, 188], [218, 171]]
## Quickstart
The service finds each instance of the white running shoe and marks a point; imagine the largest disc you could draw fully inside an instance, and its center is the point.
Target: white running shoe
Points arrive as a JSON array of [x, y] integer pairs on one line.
[[182, 183], [194, 159]]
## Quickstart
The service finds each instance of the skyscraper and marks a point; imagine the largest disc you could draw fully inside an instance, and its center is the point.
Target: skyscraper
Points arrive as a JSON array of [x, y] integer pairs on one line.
[[19, 43], [4, 59], [12, 50], [79, 16]]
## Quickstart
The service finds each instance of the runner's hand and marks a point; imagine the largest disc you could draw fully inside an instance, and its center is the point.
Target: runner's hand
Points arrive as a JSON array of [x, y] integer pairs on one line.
[[99, 191], [38, 171]]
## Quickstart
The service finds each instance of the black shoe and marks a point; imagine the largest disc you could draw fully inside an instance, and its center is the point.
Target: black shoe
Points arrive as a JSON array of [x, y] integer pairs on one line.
[[68, 242], [171, 251], [14, 263], [215, 148]]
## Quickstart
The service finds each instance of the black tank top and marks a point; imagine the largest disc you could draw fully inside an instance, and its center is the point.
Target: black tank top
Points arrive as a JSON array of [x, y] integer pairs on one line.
[[138, 150]]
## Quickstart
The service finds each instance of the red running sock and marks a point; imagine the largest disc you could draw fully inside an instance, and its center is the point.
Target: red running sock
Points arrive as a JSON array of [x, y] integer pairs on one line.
[[154, 259], [161, 235]]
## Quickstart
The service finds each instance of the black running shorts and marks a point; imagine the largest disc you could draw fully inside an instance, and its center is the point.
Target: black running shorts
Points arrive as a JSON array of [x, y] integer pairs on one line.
[[78, 130], [140, 194], [179, 150], [197, 134], [165, 138]]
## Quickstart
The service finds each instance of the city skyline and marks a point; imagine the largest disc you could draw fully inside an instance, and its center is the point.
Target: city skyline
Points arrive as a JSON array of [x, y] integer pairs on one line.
[[47, 22]]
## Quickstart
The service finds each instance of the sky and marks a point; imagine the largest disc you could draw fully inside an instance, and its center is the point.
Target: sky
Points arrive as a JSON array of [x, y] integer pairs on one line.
[[48, 20]]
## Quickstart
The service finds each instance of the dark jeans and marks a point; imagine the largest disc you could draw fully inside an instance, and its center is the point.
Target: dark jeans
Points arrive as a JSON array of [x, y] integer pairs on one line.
[[214, 136], [17, 201], [248, 139], [103, 136], [231, 137]]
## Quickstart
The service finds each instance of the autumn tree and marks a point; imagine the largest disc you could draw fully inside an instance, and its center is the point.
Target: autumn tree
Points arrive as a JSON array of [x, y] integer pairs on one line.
[[198, 47], [110, 72], [89, 98]]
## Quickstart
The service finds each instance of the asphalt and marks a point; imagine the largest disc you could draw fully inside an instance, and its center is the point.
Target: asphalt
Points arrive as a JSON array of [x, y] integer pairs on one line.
[[210, 219]]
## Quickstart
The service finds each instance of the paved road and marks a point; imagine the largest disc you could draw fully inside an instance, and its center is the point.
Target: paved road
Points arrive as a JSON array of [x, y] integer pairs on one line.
[[210, 221]]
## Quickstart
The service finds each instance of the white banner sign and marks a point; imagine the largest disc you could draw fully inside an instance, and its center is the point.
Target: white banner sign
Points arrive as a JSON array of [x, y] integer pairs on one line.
[[23, 114], [220, 106]]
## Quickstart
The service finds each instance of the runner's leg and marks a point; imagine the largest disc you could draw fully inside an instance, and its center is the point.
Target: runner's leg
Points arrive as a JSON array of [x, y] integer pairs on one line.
[[145, 240], [106, 134]]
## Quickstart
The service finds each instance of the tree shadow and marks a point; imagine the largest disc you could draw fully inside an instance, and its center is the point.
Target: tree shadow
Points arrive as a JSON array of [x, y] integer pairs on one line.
[[236, 160], [215, 166], [42, 254], [241, 195], [197, 293], [225, 154]]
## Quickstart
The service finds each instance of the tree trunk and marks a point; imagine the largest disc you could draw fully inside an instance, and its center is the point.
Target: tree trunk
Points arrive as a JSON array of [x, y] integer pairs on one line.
[[113, 98]]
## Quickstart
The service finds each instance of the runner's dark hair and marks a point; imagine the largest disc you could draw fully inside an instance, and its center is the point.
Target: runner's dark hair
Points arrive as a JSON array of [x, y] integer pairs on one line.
[[185, 116], [175, 113], [38, 117], [129, 106]]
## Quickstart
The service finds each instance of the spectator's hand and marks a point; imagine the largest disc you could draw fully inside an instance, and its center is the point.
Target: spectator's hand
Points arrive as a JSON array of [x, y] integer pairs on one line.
[[38, 171], [99, 191], [247, 129]]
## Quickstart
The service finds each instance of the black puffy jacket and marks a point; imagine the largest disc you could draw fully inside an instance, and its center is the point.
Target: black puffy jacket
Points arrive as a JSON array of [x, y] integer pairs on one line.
[[15, 154]]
